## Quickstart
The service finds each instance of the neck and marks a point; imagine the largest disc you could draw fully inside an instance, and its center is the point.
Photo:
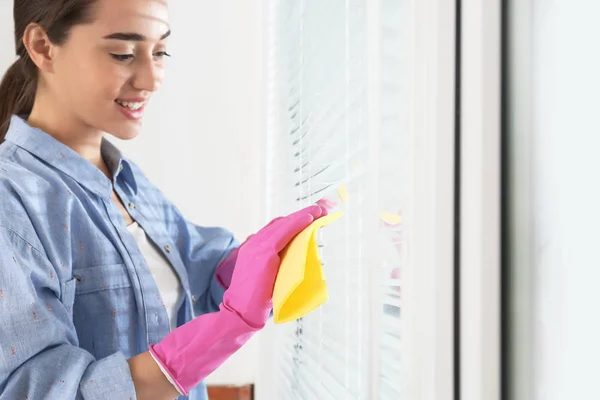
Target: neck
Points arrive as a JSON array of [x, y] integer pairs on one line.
[[69, 130]]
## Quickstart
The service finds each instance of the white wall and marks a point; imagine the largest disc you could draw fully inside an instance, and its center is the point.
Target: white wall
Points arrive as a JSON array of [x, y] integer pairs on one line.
[[7, 47], [202, 137], [554, 220]]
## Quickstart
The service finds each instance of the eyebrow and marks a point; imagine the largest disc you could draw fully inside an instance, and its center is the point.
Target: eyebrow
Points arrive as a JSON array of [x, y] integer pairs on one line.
[[133, 37]]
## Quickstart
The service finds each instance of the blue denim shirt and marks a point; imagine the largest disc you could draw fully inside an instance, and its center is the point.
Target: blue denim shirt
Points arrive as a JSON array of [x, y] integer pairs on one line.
[[77, 298]]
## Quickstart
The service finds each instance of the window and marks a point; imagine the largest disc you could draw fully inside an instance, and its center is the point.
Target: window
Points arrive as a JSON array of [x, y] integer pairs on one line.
[[349, 120], [323, 153]]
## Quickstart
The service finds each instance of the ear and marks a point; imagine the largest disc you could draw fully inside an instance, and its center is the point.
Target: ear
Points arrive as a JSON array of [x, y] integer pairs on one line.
[[39, 47]]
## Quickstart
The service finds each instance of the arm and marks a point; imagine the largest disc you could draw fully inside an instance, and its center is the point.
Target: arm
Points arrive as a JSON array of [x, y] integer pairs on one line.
[[196, 349], [150, 382], [39, 353], [202, 250]]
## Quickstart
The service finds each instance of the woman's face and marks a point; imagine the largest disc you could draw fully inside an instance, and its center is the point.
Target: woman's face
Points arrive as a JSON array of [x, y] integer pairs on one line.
[[107, 71]]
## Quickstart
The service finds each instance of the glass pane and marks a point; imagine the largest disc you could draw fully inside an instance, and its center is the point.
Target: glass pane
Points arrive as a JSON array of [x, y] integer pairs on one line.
[[320, 133], [323, 146]]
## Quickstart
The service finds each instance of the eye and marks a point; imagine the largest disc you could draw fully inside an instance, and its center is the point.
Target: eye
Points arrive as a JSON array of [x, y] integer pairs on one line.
[[121, 57], [161, 54]]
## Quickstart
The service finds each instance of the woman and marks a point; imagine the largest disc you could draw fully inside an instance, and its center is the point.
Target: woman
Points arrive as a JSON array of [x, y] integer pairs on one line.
[[106, 291]]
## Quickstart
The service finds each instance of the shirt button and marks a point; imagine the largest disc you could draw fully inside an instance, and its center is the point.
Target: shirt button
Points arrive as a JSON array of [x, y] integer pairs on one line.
[[131, 206], [168, 248], [193, 299]]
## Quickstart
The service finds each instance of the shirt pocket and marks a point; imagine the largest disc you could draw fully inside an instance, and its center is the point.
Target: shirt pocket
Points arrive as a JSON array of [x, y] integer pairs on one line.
[[105, 311], [67, 293], [101, 278]]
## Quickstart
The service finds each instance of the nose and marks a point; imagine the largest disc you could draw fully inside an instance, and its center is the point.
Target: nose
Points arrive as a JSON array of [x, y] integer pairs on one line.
[[148, 76]]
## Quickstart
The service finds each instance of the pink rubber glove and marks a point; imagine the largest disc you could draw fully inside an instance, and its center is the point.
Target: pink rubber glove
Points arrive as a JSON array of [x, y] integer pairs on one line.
[[193, 351], [224, 271]]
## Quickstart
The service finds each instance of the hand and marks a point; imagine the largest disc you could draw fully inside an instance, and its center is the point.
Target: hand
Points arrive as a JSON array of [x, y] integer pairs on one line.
[[257, 264], [224, 271]]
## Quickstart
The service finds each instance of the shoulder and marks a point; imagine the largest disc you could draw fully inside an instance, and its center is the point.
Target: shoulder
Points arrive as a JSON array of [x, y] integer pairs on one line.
[[27, 196]]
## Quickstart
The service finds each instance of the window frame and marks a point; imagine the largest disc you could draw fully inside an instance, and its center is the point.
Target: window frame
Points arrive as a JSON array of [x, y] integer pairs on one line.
[[480, 234]]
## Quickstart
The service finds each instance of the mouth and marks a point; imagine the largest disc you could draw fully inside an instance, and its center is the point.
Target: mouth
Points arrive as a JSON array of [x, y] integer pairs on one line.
[[132, 109]]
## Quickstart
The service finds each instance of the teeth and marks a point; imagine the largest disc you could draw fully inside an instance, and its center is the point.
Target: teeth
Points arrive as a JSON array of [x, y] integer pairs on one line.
[[131, 106]]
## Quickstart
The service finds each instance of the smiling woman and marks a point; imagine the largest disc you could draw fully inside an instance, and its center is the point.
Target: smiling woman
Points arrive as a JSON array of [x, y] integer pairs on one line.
[[106, 290], [86, 79]]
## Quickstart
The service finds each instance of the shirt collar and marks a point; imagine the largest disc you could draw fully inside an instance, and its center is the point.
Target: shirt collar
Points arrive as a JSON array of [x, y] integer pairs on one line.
[[47, 148]]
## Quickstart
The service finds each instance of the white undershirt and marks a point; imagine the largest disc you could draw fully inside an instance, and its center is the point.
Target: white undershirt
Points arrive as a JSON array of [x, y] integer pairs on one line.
[[165, 277]]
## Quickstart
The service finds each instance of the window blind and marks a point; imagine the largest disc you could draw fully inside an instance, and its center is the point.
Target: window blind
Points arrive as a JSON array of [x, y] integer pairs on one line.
[[338, 128], [394, 182]]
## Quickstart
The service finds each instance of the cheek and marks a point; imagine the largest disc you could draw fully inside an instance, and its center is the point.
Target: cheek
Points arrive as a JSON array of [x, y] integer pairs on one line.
[[93, 81], [107, 78], [111, 81]]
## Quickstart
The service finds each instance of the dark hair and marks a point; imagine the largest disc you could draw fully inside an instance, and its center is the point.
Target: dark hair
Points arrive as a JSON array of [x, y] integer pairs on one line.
[[19, 84]]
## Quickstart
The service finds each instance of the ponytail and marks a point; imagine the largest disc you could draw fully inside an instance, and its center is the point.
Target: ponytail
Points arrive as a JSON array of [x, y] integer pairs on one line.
[[17, 92]]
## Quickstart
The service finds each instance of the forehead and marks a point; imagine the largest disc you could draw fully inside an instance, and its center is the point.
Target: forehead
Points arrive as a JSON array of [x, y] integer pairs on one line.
[[147, 17]]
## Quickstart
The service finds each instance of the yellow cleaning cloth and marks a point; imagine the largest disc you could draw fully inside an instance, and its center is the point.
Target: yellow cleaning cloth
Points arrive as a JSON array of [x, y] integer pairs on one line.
[[300, 286]]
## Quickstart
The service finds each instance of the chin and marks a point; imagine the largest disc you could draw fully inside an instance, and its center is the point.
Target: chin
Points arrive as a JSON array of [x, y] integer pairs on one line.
[[125, 131]]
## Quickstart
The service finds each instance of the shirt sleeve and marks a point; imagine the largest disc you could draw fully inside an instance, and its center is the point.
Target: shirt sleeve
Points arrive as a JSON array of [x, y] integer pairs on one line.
[[202, 249], [39, 353]]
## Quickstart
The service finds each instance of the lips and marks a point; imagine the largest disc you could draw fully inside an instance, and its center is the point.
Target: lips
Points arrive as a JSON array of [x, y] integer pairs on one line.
[[132, 105], [132, 109]]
